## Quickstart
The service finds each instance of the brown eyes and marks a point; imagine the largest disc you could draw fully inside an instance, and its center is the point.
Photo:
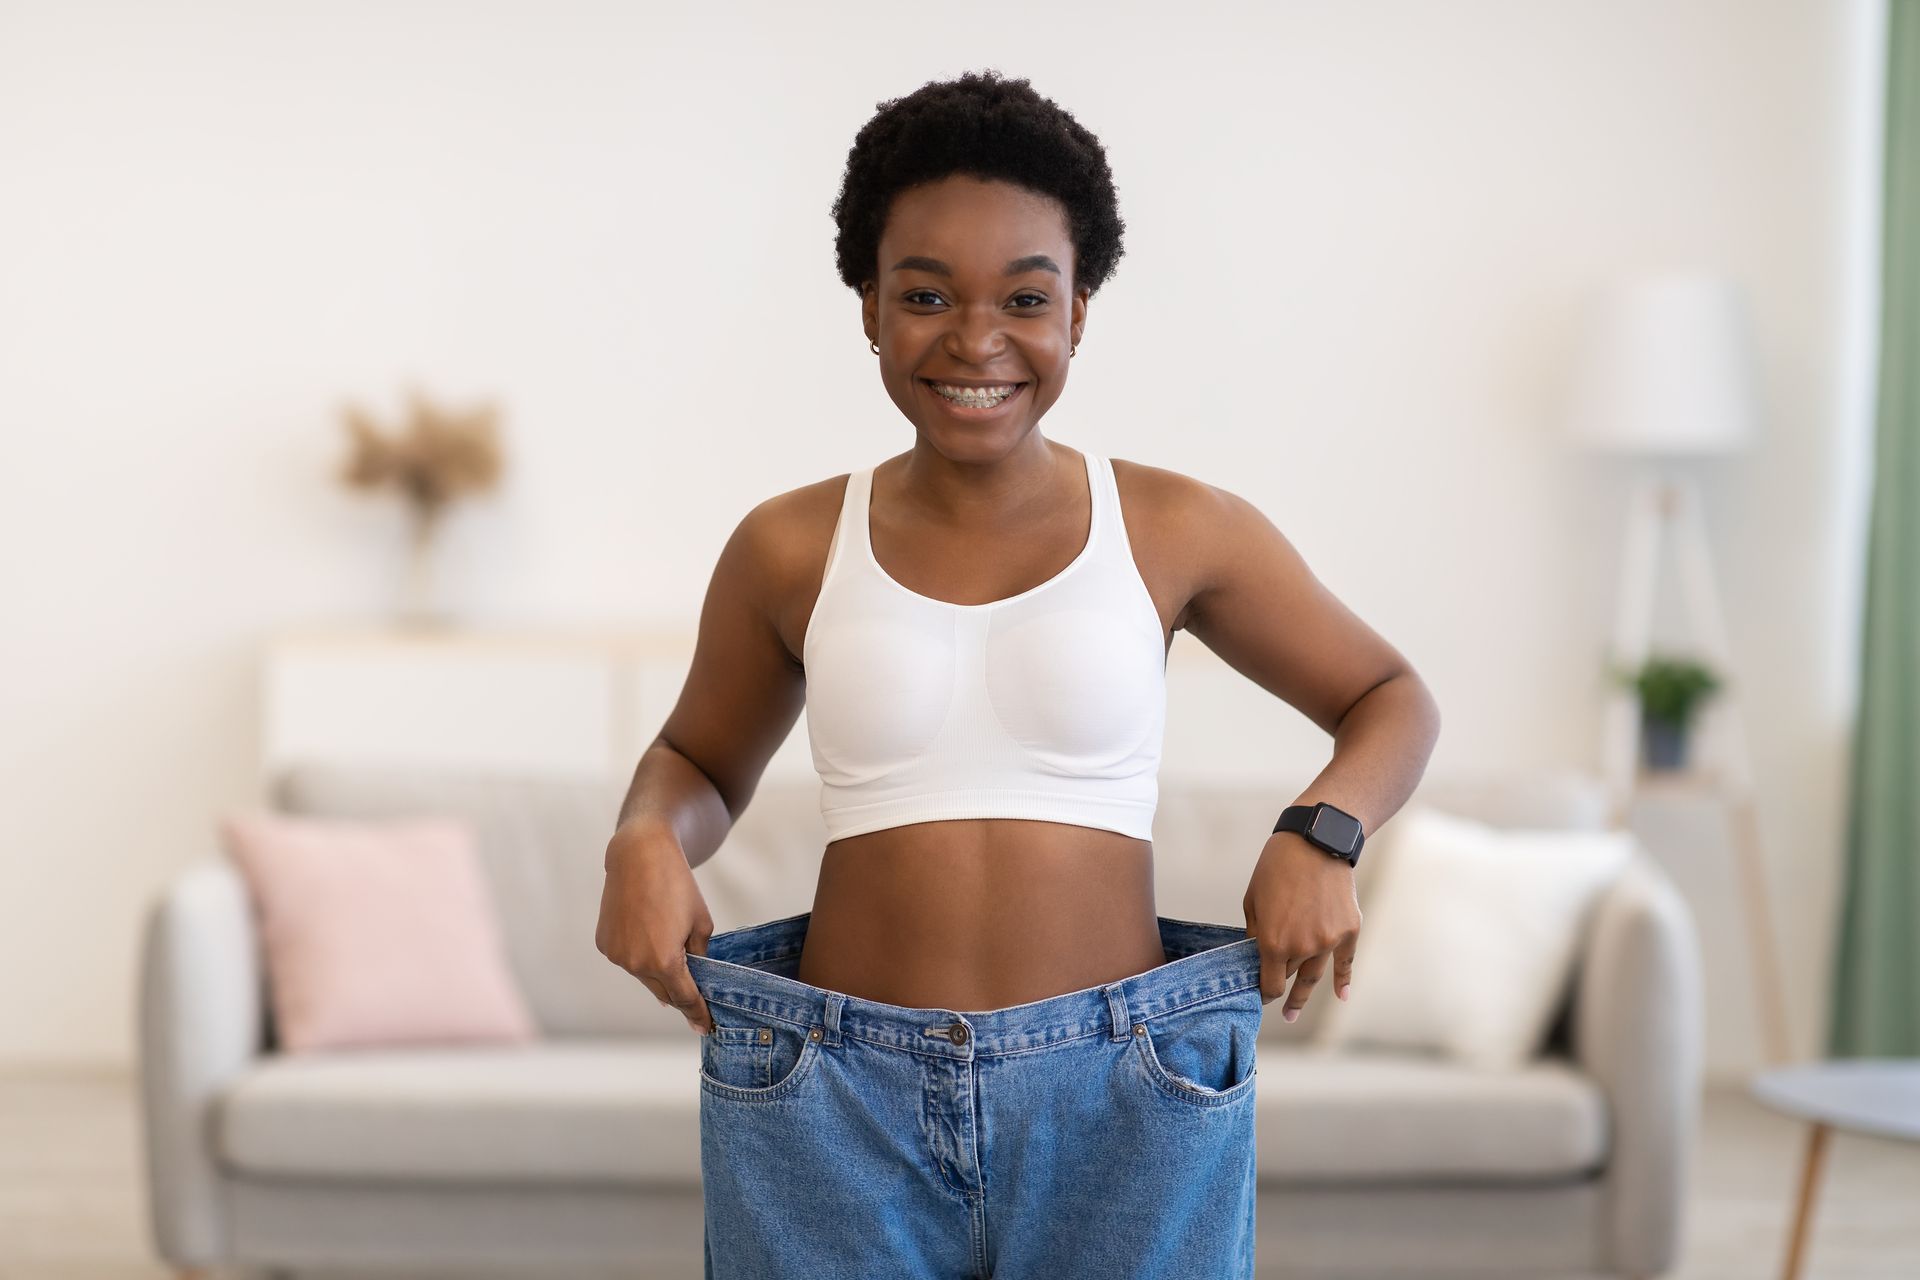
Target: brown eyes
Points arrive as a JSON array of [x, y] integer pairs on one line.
[[1039, 299]]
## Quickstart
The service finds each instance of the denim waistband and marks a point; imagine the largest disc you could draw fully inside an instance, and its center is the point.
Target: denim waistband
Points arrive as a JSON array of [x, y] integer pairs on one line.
[[751, 969]]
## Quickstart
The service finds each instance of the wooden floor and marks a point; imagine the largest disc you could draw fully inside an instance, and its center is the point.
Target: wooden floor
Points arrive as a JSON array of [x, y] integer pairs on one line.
[[72, 1201]]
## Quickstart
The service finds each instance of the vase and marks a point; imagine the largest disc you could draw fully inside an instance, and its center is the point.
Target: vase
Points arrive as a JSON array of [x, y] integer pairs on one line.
[[420, 606]]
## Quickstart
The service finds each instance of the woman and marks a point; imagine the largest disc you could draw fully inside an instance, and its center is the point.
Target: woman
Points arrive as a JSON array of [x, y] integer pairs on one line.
[[982, 1053]]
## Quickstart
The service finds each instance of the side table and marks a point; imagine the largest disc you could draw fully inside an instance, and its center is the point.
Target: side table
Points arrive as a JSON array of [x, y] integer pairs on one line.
[[1878, 1096]]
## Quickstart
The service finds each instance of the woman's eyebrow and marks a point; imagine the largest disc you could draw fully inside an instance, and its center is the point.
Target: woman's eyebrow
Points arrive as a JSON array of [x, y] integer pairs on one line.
[[1019, 266]]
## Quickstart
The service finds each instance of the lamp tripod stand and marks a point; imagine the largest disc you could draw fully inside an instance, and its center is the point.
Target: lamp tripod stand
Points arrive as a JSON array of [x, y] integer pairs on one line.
[[1659, 507]]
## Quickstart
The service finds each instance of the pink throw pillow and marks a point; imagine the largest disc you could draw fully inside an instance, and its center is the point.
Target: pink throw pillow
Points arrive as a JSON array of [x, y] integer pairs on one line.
[[376, 933]]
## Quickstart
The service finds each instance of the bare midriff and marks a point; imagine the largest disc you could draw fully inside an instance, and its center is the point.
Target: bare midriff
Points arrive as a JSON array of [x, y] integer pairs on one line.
[[976, 914], [981, 913]]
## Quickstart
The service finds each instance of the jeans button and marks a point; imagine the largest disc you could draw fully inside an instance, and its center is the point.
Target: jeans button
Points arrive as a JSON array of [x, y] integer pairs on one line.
[[957, 1033]]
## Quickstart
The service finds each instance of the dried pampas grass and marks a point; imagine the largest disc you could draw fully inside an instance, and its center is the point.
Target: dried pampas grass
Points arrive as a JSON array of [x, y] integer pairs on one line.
[[437, 457]]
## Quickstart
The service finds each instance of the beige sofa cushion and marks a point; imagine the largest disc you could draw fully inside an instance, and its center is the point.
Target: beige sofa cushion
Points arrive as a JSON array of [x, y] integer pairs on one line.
[[542, 844], [1366, 1117], [579, 1109], [628, 1110]]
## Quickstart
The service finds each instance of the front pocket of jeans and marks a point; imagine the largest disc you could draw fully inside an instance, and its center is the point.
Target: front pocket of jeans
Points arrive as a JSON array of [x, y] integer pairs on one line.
[[738, 1055], [750, 1058], [1203, 1053]]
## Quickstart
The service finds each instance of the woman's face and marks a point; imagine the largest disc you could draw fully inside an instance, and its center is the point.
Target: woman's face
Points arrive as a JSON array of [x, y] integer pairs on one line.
[[974, 285]]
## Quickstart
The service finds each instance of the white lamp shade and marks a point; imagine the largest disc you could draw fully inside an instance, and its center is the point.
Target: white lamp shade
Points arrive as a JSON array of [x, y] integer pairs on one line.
[[1665, 367]]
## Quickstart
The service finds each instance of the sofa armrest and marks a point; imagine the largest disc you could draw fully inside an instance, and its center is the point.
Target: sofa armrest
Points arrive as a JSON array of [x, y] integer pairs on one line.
[[1637, 1030], [201, 1022]]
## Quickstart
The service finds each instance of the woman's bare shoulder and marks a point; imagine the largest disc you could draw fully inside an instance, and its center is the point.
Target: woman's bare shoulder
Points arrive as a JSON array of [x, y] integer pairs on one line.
[[791, 529], [786, 539], [1170, 510], [1142, 484], [1179, 508]]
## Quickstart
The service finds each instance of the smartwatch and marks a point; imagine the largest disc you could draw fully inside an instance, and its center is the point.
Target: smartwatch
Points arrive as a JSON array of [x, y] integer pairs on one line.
[[1335, 830]]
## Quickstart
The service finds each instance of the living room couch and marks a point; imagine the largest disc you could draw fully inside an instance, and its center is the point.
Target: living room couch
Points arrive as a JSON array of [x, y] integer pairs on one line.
[[581, 1150]]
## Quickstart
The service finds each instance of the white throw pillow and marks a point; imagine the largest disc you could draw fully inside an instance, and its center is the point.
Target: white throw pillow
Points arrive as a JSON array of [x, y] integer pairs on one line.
[[1470, 939]]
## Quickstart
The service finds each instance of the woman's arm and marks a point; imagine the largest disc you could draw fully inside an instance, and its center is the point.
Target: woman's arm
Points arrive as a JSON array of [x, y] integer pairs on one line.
[[1257, 605], [742, 696], [740, 700]]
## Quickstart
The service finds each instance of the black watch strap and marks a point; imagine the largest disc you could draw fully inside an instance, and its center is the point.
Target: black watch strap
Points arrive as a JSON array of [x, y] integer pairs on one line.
[[1332, 829]]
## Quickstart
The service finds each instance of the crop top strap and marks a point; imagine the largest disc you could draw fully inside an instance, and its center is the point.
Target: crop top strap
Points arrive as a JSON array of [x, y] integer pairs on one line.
[[849, 530], [1107, 495]]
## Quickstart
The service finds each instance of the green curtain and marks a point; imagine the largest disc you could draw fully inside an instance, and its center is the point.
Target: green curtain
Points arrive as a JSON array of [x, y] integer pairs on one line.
[[1876, 992]]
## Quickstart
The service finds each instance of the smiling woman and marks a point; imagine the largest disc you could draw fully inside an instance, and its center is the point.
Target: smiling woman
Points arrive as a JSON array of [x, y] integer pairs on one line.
[[976, 220], [983, 1013]]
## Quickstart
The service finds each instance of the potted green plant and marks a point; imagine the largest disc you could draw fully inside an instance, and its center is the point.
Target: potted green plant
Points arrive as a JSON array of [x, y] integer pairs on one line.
[[1670, 691]]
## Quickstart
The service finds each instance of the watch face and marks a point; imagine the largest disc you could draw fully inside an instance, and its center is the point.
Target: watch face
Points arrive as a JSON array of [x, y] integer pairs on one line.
[[1334, 829]]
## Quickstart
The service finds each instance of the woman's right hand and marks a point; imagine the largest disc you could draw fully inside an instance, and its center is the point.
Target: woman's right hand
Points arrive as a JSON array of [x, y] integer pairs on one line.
[[652, 914]]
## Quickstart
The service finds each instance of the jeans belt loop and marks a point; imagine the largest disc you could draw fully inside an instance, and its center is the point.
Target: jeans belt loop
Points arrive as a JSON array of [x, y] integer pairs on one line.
[[1117, 1007]]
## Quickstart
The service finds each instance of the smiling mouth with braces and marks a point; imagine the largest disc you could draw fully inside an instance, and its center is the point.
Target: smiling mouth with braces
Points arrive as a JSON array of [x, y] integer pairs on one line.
[[971, 396]]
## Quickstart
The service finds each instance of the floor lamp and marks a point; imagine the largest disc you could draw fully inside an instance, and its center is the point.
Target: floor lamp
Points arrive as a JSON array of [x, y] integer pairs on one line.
[[1664, 375]]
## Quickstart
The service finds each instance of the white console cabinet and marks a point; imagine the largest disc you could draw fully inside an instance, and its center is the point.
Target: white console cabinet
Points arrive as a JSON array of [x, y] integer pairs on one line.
[[583, 701], [577, 702]]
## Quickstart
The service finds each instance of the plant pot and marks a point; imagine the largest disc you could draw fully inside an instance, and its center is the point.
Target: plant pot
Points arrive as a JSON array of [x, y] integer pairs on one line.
[[1663, 743]]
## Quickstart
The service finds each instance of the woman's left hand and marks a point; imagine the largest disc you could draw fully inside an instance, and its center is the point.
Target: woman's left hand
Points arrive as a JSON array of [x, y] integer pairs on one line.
[[1302, 905]]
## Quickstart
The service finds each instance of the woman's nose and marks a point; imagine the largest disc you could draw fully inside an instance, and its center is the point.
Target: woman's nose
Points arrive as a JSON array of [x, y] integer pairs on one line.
[[977, 337]]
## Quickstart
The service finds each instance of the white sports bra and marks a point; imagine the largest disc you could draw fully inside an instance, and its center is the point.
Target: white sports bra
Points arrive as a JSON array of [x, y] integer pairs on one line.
[[1049, 704]]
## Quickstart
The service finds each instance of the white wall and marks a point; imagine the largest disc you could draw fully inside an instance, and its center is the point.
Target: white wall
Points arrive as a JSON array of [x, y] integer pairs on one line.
[[1357, 239]]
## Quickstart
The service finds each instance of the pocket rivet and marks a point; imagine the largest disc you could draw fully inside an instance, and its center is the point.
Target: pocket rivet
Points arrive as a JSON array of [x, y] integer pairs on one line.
[[1139, 1028], [814, 1034], [766, 1035]]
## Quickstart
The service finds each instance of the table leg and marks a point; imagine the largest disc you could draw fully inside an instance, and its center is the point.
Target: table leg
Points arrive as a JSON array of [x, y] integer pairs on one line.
[[1809, 1183]]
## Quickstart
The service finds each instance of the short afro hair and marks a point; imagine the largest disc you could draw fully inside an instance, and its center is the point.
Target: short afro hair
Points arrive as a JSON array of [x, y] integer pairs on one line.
[[984, 126]]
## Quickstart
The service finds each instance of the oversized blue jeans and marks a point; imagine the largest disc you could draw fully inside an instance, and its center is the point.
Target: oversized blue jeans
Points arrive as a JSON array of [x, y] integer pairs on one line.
[[1107, 1132]]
